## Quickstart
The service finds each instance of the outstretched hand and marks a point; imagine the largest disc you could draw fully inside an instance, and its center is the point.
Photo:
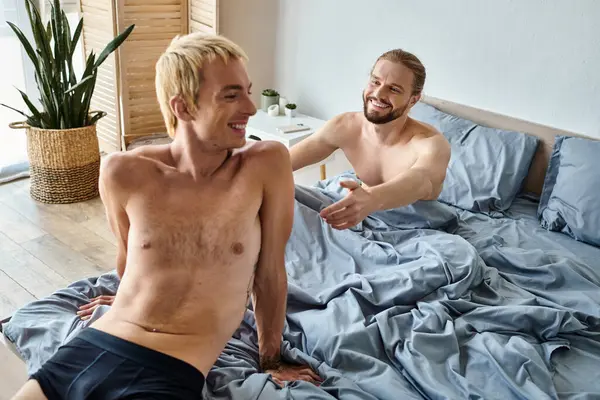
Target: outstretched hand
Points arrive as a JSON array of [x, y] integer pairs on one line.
[[85, 311], [350, 210], [290, 373]]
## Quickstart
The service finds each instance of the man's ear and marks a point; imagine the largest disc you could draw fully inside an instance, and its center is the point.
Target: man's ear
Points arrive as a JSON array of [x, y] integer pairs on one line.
[[180, 109], [414, 100]]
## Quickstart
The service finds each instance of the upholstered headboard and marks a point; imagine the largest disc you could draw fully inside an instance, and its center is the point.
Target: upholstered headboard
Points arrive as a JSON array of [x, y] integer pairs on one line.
[[537, 171]]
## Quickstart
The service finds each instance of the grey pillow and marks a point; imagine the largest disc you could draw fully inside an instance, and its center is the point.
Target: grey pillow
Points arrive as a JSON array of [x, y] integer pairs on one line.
[[487, 167], [570, 200]]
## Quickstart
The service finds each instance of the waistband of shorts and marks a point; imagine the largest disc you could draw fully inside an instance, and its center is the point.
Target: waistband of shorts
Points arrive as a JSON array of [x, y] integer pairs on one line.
[[145, 356]]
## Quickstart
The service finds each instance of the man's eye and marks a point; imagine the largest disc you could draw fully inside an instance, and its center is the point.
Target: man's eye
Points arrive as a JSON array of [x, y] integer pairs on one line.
[[231, 96]]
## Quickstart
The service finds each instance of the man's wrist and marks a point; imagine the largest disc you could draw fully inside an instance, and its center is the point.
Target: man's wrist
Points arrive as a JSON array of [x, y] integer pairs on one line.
[[270, 363], [375, 203]]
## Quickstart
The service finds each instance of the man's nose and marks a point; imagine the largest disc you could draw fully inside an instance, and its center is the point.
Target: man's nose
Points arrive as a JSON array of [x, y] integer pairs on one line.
[[249, 106], [378, 92]]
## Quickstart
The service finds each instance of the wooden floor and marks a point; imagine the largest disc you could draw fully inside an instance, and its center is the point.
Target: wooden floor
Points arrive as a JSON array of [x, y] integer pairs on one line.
[[45, 247], [13, 373]]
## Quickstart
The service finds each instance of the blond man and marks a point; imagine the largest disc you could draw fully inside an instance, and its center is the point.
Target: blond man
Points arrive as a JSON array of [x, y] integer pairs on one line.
[[397, 159], [201, 225]]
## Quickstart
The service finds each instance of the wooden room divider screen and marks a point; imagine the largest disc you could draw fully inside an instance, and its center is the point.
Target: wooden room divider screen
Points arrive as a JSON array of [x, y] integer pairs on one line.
[[125, 85]]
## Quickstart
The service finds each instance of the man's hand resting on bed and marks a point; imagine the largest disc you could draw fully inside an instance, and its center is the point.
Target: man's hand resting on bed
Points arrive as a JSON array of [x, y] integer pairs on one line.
[[352, 209], [85, 311], [290, 373]]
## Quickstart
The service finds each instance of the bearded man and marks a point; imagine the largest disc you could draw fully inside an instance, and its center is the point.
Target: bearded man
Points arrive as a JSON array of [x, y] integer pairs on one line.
[[397, 159]]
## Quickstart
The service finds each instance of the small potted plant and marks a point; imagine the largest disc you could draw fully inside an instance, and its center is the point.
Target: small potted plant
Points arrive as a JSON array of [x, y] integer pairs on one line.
[[268, 98], [62, 144], [290, 110]]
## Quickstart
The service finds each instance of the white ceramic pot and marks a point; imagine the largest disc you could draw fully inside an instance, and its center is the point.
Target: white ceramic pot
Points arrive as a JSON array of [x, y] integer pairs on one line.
[[290, 113], [282, 103]]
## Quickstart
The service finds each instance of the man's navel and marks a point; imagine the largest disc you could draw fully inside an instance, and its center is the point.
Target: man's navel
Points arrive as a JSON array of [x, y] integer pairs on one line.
[[145, 244]]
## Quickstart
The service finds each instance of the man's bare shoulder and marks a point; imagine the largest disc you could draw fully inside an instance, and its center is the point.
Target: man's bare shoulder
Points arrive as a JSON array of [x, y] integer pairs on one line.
[[427, 135], [264, 153], [156, 152], [347, 120], [340, 128], [124, 167], [265, 162], [433, 149]]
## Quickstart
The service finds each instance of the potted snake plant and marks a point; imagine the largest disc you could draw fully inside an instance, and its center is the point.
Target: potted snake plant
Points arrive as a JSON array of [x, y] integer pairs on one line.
[[62, 144]]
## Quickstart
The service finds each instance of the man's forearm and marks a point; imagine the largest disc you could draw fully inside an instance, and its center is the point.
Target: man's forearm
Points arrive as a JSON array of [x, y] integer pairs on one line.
[[405, 189], [270, 301], [309, 152]]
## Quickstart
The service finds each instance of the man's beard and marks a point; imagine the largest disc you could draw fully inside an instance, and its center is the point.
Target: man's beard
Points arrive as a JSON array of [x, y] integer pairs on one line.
[[379, 119]]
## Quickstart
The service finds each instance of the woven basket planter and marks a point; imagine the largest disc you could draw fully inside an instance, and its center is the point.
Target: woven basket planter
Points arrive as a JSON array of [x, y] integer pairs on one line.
[[64, 164]]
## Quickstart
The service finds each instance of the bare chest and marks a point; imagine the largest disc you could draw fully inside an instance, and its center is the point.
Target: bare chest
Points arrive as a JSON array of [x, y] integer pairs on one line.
[[375, 164], [216, 224]]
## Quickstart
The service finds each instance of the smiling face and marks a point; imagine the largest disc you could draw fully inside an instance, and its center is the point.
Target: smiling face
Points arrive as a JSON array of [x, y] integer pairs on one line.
[[223, 105], [389, 92]]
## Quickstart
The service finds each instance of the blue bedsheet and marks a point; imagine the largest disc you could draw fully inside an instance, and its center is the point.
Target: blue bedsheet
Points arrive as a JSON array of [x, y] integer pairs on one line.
[[562, 274], [421, 302]]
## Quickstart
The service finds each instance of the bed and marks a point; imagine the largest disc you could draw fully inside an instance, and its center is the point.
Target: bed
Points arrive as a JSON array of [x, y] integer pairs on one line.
[[493, 291]]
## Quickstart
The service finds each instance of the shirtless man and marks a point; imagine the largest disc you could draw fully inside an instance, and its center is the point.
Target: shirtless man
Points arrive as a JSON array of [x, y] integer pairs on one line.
[[398, 159], [200, 223]]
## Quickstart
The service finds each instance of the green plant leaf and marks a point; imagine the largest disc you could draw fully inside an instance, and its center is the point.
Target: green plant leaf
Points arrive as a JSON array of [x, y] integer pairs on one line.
[[46, 96], [95, 118], [57, 33], [84, 93], [71, 45], [89, 93], [82, 82], [66, 47], [113, 45], [32, 121], [57, 21], [45, 62], [14, 109], [38, 29], [89, 65], [45, 90], [34, 111], [77, 35], [26, 44]]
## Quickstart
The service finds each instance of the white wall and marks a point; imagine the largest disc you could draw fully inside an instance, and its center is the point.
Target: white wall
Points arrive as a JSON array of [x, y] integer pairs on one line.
[[537, 60], [252, 24]]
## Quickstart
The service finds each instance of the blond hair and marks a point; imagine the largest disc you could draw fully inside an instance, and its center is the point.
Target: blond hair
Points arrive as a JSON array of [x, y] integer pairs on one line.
[[411, 62], [179, 70]]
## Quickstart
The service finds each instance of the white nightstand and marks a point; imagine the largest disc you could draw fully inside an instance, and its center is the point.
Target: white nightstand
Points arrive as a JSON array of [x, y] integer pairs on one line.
[[264, 127]]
